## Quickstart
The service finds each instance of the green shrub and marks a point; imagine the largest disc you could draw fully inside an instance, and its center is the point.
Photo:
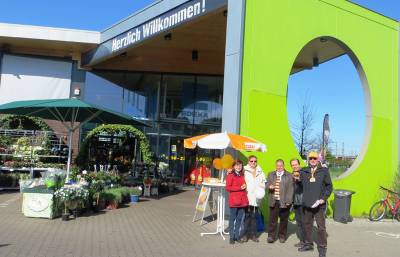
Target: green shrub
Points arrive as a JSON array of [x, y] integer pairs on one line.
[[107, 196], [134, 191], [114, 194]]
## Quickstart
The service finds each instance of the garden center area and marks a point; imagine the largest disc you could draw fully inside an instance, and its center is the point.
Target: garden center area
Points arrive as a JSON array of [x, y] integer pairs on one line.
[[114, 166]]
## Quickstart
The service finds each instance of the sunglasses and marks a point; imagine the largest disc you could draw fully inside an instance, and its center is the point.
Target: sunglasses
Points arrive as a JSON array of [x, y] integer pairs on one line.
[[313, 158]]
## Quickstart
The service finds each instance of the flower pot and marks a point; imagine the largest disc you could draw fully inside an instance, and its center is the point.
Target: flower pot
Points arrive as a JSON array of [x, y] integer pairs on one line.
[[72, 204], [101, 205], [65, 216], [113, 205], [134, 198]]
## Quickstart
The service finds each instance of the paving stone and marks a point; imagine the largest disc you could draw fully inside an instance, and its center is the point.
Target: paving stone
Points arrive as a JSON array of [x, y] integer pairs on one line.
[[162, 228]]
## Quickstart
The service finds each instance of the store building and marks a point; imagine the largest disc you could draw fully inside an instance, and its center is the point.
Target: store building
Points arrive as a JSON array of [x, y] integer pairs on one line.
[[201, 66]]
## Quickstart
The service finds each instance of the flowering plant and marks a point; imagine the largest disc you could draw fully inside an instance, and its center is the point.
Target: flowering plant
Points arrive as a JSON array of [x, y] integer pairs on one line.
[[71, 193]]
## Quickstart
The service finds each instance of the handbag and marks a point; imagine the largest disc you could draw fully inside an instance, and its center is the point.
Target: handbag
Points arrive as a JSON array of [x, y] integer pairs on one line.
[[260, 222], [259, 193]]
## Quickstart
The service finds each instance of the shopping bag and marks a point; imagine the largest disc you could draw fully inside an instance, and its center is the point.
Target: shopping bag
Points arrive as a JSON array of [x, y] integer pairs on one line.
[[260, 222]]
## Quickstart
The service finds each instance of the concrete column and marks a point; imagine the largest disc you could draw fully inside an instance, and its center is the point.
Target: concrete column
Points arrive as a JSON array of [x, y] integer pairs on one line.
[[233, 66]]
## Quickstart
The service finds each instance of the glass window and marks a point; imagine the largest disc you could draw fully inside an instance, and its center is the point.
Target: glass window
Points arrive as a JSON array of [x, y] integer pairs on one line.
[[103, 92], [135, 94], [208, 104], [140, 94], [178, 94]]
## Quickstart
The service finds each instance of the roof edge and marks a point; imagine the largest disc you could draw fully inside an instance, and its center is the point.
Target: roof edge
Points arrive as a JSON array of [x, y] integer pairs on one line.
[[139, 17], [49, 33]]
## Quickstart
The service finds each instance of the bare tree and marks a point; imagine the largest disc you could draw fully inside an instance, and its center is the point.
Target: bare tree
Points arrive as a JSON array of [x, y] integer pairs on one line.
[[302, 129], [316, 142]]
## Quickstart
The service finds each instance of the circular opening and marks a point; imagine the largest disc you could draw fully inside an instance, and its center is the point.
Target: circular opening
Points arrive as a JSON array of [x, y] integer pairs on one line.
[[328, 103]]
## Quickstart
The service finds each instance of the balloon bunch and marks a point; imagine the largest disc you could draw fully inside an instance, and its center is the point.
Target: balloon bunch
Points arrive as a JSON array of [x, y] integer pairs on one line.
[[225, 162]]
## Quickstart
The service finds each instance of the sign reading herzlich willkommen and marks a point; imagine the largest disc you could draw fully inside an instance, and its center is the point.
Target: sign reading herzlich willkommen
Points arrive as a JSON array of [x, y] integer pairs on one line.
[[164, 22]]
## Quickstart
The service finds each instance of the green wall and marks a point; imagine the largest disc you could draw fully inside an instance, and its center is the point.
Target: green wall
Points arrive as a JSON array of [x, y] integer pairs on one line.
[[275, 32]]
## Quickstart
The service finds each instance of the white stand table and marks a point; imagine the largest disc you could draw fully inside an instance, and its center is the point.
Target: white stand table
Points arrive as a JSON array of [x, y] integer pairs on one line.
[[220, 188]]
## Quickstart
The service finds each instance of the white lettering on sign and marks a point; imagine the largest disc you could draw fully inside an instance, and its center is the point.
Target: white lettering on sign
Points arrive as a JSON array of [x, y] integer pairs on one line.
[[130, 38], [159, 24]]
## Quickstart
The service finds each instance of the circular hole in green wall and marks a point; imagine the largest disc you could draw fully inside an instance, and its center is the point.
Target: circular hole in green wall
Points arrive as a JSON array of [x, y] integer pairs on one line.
[[327, 85]]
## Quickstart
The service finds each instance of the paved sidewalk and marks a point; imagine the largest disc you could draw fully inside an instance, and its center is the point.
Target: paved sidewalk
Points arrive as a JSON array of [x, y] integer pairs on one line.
[[163, 228]]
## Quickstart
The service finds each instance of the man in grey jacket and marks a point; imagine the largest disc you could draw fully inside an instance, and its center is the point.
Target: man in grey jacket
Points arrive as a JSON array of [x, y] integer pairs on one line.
[[298, 202], [280, 187]]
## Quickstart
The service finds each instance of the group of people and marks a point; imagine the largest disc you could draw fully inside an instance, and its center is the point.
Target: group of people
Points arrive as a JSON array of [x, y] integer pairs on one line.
[[306, 189]]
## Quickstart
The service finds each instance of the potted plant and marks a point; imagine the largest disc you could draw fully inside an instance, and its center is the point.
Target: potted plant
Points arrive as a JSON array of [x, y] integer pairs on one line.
[[71, 196], [134, 194], [95, 189], [114, 198]]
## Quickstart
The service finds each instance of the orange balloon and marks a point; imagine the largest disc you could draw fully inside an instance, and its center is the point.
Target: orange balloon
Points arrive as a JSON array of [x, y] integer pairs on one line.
[[217, 163], [227, 161]]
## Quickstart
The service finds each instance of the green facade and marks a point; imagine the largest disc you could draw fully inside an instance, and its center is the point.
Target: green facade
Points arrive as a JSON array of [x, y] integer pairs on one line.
[[275, 32]]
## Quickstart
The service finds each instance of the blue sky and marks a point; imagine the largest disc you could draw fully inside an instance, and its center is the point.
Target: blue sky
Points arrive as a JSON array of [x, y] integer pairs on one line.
[[100, 14], [335, 88], [344, 102], [77, 14]]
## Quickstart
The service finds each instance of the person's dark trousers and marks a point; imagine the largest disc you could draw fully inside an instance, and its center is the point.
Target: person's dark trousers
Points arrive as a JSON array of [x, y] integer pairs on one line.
[[319, 215], [283, 214], [299, 212], [235, 219], [250, 223]]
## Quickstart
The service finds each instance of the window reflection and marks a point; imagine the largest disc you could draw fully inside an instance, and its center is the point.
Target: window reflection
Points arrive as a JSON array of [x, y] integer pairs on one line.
[[176, 106]]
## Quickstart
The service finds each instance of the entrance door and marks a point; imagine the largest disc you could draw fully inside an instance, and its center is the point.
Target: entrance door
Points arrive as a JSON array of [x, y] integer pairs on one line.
[[177, 158]]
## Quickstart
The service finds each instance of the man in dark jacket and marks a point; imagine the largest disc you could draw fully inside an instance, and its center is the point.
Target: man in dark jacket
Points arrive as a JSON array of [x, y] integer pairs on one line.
[[298, 203], [280, 186], [317, 187]]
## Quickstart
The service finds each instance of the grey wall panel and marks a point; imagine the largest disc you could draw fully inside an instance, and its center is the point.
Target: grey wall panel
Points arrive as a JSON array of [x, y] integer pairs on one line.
[[1, 61], [233, 66], [30, 78]]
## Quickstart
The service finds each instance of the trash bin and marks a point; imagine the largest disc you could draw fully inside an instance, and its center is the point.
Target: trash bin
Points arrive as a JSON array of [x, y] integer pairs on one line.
[[341, 205]]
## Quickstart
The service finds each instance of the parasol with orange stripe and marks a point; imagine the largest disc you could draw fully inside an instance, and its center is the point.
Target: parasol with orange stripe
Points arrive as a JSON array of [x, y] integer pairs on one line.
[[223, 141]]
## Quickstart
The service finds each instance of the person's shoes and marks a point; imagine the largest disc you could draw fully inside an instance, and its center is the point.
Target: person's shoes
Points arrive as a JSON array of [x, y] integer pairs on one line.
[[299, 245], [255, 239], [242, 240], [270, 240], [306, 248], [322, 252], [282, 240], [231, 241]]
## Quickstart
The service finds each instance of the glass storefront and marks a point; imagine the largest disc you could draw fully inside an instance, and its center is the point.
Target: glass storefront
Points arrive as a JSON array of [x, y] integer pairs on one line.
[[177, 106]]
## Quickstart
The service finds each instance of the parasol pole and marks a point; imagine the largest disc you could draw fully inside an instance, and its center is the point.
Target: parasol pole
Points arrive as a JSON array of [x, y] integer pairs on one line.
[[71, 129], [70, 133], [222, 170]]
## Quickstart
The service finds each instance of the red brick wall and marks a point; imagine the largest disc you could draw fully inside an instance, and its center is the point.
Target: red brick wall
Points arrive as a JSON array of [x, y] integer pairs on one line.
[[58, 127]]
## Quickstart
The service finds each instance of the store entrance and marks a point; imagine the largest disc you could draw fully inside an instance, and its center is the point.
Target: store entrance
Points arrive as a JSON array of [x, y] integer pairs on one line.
[[175, 162], [177, 158]]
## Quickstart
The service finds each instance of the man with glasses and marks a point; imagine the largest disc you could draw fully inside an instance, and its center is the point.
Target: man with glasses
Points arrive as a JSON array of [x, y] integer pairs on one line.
[[317, 187]]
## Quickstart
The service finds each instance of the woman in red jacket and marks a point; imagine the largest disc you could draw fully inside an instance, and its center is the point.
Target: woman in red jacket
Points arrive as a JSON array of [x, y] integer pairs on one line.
[[238, 202]]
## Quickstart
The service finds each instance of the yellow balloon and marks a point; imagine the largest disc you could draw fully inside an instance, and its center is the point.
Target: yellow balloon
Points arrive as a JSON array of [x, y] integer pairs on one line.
[[227, 161], [217, 163]]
